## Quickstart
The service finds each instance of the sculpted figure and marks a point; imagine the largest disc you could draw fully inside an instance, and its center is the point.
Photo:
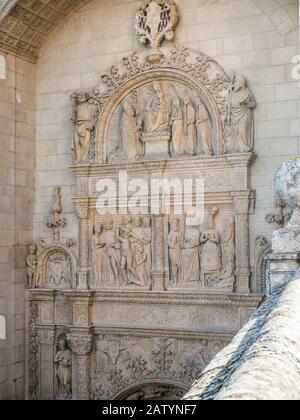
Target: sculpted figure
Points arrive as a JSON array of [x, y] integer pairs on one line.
[[111, 245], [204, 134], [127, 258], [157, 111], [63, 362], [190, 127], [211, 258], [100, 268], [31, 263], [177, 128], [175, 255], [83, 116], [147, 235], [131, 128], [240, 117], [226, 278], [190, 255]]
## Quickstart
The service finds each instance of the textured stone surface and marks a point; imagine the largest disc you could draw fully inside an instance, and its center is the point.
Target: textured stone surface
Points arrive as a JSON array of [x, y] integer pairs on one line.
[[257, 38], [17, 105], [262, 362]]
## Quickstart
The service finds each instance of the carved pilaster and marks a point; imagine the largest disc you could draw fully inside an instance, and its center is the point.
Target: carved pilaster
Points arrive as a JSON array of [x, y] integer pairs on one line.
[[47, 337], [82, 210], [242, 201], [160, 273], [32, 349], [81, 346]]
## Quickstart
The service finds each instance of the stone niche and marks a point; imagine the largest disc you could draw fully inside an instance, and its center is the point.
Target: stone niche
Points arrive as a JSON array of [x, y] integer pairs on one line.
[[149, 298]]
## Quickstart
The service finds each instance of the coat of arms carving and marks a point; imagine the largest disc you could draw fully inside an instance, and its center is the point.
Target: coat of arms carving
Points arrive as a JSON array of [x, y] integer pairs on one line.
[[156, 21]]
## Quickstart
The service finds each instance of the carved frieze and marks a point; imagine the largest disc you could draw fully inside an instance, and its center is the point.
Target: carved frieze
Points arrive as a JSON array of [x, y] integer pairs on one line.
[[122, 365]]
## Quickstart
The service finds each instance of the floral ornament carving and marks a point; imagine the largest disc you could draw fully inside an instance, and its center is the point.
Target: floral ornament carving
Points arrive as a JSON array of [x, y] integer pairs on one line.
[[33, 365], [121, 364], [81, 345], [56, 221], [156, 21]]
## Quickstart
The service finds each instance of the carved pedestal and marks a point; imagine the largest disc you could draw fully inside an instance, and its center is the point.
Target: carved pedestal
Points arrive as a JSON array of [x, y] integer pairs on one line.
[[157, 145]]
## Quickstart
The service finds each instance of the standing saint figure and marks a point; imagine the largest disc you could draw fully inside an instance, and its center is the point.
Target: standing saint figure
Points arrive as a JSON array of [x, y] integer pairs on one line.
[[190, 256], [111, 249], [127, 258], [177, 128], [204, 135], [131, 127], [227, 276], [157, 114], [31, 263], [100, 267], [63, 362], [175, 254], [211, 257], [240, 117], [190, 127], [147, 235], [83, 116]]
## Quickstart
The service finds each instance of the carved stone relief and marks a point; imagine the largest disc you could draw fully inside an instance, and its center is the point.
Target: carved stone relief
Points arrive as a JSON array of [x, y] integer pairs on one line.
[[160, 119], [201, 256], [33, 353], [53, 265], [156, 21], [122, 366], [185, 96], [263, 248], [31, 264], [171, 111], [63, 369], [83, 116], [122, 252], [281, 214]]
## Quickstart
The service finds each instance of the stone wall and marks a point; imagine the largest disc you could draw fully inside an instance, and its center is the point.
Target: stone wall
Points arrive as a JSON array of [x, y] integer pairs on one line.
[[257, 38], [17, 150]]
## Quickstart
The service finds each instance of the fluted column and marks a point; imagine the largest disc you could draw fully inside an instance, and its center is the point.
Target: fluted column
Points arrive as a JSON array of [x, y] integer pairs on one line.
[[241, 210], [159, 264]]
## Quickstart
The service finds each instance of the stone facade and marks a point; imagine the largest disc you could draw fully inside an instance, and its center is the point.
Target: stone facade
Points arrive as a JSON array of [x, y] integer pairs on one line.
[[255, 38], [17, 162]]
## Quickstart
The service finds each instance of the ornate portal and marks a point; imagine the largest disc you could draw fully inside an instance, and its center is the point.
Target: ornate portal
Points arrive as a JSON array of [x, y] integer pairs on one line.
[[138, 304]]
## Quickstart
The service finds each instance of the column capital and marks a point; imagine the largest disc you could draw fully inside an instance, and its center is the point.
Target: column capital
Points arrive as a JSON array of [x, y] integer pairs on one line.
[[81, 345], [82, 207]]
